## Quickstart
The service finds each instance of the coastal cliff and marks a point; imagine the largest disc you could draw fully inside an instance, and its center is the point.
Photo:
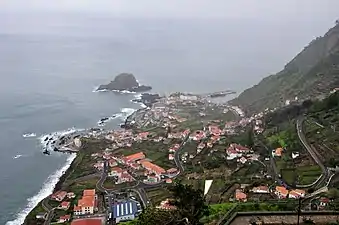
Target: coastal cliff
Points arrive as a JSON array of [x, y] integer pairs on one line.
[[124, 82], [310, 74]]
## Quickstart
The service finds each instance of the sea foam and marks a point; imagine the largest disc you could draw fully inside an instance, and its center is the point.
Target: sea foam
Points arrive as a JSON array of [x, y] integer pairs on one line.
[[46, 190], [55, 136]]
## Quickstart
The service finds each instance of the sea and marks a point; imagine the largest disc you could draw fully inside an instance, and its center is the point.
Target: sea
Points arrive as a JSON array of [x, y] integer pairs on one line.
[[50, 65]]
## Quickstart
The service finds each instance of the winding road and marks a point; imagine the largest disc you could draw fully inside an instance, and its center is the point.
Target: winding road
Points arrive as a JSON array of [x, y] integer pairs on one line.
[[140, 187], [313, 153]]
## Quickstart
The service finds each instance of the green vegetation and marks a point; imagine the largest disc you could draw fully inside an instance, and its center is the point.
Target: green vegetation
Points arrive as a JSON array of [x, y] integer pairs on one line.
[[312, 72], [79, 186], [84, 162], [158, 195], [31, 219], [286, 138], [217, 211], [190, 208]]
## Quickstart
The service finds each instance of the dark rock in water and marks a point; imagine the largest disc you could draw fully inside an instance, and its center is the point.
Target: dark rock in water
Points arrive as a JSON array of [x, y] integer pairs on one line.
[[55, 149], [46, 152], [46, 139], [125, 82], [53, 142], [104, 119], [141, 88]]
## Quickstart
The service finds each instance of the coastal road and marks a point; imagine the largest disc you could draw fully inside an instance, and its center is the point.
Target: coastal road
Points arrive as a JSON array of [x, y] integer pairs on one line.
[[312, 152]]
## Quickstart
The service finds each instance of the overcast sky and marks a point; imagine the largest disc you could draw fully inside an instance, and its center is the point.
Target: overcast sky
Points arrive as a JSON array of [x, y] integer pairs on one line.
[[264, 9]]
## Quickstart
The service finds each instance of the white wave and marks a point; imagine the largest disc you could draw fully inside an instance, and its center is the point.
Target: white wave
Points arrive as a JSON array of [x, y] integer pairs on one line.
[[97, 90], [47, 139], [46, 190], [126, 112], [143, 105], [29, 135], [118, 91], [127, 92], [17, 156], [101, 123], [138, 96]]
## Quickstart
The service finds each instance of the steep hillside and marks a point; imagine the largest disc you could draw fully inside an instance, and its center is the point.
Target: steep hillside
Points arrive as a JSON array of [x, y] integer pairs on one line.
[[314, 71]]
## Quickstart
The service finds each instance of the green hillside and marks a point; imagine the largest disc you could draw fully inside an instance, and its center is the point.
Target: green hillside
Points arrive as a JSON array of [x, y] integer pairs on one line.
[[313, 72]]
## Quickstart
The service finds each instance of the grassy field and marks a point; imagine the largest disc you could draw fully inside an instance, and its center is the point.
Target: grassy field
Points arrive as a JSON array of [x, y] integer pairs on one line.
[[158, 195], [84, 160], [78, 187], [301, 175]]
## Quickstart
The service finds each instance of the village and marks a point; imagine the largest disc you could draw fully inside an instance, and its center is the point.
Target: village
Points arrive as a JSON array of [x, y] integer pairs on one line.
[[180, 138]]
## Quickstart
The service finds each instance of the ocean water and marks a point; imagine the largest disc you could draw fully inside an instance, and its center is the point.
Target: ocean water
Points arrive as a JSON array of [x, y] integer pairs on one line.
[[50, 65]]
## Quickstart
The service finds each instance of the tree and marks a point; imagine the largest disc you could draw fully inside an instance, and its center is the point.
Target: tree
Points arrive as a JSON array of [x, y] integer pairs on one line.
[[333, 193], [190, 208], [152, 216], [190, 203]]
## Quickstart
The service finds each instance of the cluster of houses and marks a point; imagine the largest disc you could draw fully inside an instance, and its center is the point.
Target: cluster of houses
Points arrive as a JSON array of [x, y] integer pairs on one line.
[[86, 205], [278, 152], [281, 192], [278, 191], [65, 199], [240, 153], [121, 167]]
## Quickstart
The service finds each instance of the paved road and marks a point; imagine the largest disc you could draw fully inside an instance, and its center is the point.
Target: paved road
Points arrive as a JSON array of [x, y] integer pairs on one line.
[[274, 172], [49, 209], [313, 153], [177, 156], [140, 187]]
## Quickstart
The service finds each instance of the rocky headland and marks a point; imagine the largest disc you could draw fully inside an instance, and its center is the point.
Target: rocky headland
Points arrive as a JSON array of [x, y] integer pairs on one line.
[[124, 82]]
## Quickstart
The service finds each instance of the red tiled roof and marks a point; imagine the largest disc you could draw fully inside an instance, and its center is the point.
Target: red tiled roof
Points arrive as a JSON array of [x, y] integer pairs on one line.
[[282, 190], [89, 192], [150, 166], [136, 156], [172, 170], [143, 134], [65, 204], [65, 217], [91, 221], [87, 201], [116, 169], [239, 195], [59, 194], [77, 208], [240, 147]]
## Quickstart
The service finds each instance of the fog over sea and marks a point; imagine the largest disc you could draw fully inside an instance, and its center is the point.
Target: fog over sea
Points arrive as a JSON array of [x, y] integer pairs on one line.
[[50, 64]]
